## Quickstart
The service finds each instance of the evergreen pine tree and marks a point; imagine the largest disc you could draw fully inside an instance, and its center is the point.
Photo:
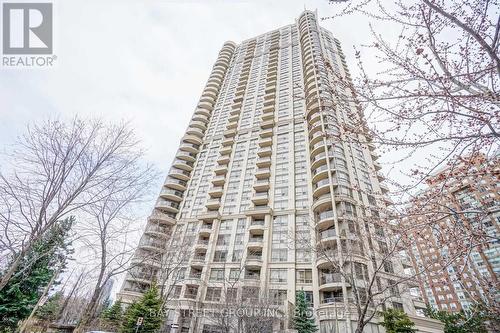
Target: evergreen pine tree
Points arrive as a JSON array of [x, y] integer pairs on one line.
[[149, 308], [303, 320], [396, 321], [113, 315], [50, 310], [20, 295]]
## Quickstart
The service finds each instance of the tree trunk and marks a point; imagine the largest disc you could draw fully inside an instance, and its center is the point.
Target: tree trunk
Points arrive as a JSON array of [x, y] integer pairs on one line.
[[12, 269], [68, 298], [89, 311]]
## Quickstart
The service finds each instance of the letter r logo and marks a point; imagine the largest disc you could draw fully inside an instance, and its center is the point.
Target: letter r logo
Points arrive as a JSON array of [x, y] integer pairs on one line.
[[27, 28]]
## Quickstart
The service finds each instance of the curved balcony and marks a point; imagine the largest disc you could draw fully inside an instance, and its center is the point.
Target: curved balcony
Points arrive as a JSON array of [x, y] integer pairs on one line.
[[256, 227], [266, 133], [263, 152], [192, 139], [195, 131], [263, 173], [325, 219], [321, 187], [318, 127], [233, 118], [267, 124], [330, 281], [315, 118], [228, 142], [151, 244], [235, 112], [226, 150], [163, 218], [213, 88], [198, 260], [218, 71], [317, 148], [170, 194], [229, 133], [327, 236], [183, 165], [266, 116], [158, 230], [198, 124], [271, 84], [260, 198], [209, 93], [184, 155], [205, 230], [261, 185], [217, 79], [266, 142], [205, 105], [342, 197], [209, 216], [253, 261], [223, 160], [213, 204], [176, 184], [232, 125], [216, 191], [202, 112], [147, 259], [320, 173], [321, 202], [255, 243], [202, 244], [318, 160], [316, 137], [219, 180], [190, 147], [268, 109], [263, 162], [220, 170], [179, 173], [312, 108], [167, 205], [141, 277]]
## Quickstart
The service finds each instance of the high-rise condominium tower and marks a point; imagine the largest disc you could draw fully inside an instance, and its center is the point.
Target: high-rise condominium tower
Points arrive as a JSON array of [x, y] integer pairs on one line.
[[471, 191], [261, 177]]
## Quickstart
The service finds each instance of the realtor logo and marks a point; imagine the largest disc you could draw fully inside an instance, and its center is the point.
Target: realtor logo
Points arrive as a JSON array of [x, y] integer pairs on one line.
[[27, 28]]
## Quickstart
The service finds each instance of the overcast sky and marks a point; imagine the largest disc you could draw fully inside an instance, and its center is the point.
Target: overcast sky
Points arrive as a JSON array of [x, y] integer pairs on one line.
[[146, 62], [143, 61]]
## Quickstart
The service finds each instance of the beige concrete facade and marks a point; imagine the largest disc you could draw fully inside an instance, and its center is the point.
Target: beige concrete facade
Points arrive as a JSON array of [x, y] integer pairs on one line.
[[259, 168]]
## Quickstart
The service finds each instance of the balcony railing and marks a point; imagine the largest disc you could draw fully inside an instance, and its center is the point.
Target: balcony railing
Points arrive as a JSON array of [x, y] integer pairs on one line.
[[330, 278], [327, 233], [157, 228], [333, 300], [175, 181], [321, 183], [325, 215], [254, 257], [322, 168], [199, 258]]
